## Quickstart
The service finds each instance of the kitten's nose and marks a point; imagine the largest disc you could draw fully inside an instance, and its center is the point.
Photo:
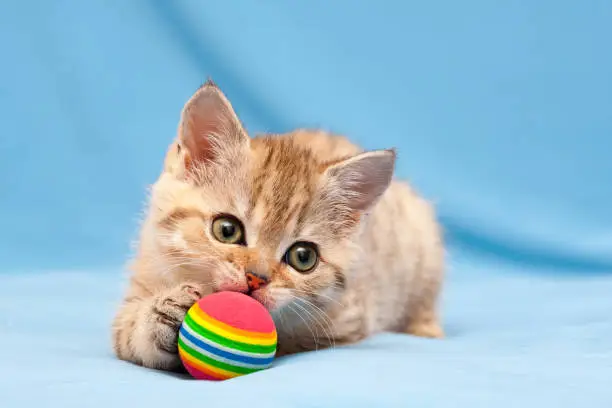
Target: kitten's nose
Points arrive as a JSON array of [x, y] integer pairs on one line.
[[255, 281]]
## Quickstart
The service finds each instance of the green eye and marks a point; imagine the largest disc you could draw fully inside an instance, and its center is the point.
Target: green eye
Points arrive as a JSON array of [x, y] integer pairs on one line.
[[302, 256], [228, 229]]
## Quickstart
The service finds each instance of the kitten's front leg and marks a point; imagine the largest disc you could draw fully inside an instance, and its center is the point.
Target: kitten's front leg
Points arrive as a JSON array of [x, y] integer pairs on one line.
[[145, 330]]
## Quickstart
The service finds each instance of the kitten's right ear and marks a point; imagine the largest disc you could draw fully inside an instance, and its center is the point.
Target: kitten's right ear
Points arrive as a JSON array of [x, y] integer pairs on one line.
[[209, 130]]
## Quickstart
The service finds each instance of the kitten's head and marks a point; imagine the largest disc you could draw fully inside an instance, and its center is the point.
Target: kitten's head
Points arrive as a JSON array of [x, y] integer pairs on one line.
[[264, 216]]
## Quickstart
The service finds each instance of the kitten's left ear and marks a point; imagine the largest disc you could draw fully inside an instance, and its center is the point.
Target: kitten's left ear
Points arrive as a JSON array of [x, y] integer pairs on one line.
[[209, 130], [359, 181]]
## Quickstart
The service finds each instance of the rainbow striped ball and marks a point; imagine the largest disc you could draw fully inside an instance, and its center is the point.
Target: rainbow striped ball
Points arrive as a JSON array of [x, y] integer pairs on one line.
[[225, 335]]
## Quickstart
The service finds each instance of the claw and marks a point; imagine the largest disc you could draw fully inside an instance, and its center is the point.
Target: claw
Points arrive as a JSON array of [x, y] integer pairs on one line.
[[193, 291]]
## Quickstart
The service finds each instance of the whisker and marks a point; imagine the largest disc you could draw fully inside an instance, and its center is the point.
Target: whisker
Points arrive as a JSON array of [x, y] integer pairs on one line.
[[326, 323], [318, 325], [320, 318], [313, 294], [305, 323]]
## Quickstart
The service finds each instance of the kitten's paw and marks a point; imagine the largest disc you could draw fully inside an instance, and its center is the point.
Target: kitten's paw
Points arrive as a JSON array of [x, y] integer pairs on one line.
[[168, 312], [426, 328]]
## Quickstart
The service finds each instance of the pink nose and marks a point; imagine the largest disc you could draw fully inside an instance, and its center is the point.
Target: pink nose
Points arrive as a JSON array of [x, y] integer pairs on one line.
[[255, 281]]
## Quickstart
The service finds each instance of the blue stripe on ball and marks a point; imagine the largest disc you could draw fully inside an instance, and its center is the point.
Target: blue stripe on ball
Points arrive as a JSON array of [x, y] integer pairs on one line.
[[264, 362]]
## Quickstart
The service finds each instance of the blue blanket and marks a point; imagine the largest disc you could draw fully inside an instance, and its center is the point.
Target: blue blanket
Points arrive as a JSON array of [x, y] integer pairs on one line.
[[513, 341], [501, 115]]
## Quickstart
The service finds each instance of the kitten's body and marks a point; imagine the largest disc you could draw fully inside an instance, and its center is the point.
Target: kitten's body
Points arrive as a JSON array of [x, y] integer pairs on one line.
[[381, 254]]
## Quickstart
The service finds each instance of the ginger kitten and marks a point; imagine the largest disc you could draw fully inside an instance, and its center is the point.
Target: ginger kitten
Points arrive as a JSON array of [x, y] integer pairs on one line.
[[306, 223]]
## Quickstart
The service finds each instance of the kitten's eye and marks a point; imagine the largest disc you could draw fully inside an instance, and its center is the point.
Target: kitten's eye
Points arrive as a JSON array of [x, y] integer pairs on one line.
[[228, 229], [302, 256]]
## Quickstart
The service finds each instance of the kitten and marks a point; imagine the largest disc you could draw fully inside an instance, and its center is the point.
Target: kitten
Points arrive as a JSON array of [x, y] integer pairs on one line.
[[306, 223]]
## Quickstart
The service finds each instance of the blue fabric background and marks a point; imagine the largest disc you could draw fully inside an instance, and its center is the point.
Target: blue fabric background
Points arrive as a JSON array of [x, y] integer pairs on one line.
[[502, 114]]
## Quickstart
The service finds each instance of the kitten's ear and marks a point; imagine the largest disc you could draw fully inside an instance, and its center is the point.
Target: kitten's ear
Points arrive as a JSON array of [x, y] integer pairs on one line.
[[209, 130], [359, 181]]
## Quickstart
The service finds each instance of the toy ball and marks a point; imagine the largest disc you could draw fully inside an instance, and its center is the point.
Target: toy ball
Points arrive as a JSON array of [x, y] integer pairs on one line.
[[226, 335]]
